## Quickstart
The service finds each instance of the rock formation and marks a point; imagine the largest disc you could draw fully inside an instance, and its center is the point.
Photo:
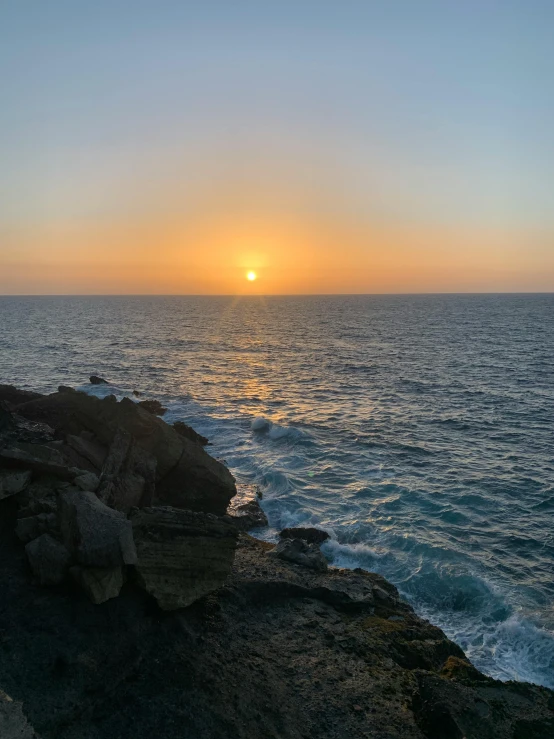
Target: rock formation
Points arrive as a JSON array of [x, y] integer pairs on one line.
[[258, 640]]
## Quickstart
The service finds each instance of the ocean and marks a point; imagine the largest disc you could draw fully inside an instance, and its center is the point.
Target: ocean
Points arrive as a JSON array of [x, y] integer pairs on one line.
[[417, 430]]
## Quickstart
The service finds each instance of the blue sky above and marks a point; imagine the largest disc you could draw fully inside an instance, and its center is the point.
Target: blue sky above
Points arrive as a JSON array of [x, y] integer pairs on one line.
[[439, 111]]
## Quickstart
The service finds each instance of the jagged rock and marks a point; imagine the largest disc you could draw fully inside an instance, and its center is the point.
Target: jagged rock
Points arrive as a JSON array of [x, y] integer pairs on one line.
[[248, 516], [128, 476], [311, 535], [14, 396], [13, 724], [95, 380], [13, 482], [96, 535], [301, 553], [183, 429], [153, 406], [88, 448], [31, 527], [186, 476], [49, 560], [182, 555], [37, 458], [99, 583], [87, 481]]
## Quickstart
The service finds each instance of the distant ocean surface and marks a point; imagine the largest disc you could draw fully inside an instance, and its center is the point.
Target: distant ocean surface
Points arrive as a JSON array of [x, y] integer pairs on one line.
[[418, 430]]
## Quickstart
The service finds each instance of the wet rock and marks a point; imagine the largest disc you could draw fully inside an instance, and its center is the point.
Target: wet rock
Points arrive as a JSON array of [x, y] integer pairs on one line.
[[310, 535], [96, 535], [49, 560], [95, 380], [301, 553], [87, 481], [66, 389], [13, 482], [248, 516], [99, 583], [183, 429], [128, 476], [31, 527], [13, 724], [182, 555], [137, 393], [153, 406]]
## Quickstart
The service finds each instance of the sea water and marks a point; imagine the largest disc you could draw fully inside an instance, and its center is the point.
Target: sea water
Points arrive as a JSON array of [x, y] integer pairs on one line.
[[417, 430]]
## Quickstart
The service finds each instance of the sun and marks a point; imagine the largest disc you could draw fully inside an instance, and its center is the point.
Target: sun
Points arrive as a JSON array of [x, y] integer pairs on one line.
[[251, 276]]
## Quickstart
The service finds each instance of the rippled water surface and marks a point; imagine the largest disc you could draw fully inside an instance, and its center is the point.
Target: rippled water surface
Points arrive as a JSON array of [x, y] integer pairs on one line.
[[418, 430]]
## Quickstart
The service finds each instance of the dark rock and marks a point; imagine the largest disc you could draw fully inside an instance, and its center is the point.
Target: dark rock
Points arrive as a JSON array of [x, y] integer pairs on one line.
[[31, 527], [13, 482], [13, 724], [95, 380], [153, 406], [66, 389], [137, 393], [128, 476], [310, 535], [87, 481], [248, 516], [183, 429], [49, 560], [99, 583], [96, 535], [88, 448], [301, 553], [182, 555], [186, 476], [37, 458], [14, 396]]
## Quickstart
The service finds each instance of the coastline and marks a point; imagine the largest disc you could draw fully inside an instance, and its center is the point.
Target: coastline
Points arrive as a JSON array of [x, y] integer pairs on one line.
[[277, 650]]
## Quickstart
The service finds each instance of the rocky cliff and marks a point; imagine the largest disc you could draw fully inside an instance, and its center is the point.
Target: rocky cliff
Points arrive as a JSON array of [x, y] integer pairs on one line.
[[132, 607]]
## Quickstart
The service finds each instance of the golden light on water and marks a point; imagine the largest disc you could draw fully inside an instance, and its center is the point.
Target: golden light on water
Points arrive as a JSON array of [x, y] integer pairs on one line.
[[251, 276]]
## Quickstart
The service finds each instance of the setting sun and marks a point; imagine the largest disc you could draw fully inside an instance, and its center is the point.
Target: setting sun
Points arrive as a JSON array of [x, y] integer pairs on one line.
[[251, 276]]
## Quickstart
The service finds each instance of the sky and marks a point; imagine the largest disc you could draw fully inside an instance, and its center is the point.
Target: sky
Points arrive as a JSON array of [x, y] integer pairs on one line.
[[330, 147]]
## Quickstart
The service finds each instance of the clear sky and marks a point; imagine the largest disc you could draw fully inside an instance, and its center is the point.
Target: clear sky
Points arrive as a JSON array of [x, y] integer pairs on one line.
[[374, 146]]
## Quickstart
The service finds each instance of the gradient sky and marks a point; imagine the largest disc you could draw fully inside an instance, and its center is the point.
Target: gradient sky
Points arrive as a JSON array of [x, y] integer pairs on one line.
[[351, 147]]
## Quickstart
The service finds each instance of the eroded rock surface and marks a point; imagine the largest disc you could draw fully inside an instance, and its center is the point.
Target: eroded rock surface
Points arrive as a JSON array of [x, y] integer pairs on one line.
[[181, 555]]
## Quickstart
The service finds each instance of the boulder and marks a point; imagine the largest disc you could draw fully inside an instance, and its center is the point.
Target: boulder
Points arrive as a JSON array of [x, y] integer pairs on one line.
[[99, 583], [186, 476], [248, 516], [31, 527], [183, 429], [310, 535], [301, 553], [128, 476], [95, 380], [66, 389], [96, 535], [13, 482], [182, 555], [87, 481], [87, 447], [13, 724], [153, 406], [49, 560]]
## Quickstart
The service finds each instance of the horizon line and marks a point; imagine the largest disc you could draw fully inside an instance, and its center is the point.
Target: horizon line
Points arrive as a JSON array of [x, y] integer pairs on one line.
[[269, 295]]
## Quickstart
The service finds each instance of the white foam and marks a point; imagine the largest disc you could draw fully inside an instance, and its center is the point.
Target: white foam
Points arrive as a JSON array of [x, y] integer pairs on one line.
[[260, 424]]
